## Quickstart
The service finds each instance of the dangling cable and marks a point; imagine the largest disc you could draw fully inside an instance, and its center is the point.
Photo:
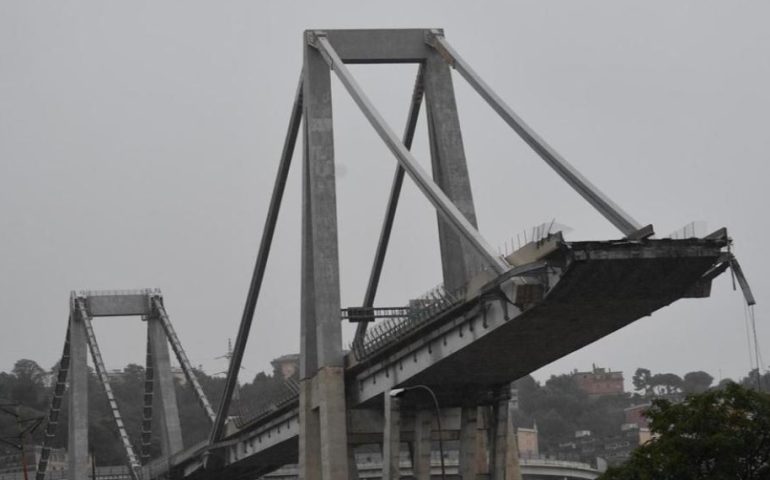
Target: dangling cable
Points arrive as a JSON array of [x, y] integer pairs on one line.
[[747, 327], [757, 353], [749, 318]]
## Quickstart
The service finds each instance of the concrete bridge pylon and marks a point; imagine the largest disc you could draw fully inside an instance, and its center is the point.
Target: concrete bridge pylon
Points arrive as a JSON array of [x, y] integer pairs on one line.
[[322, 399], [159, 381]]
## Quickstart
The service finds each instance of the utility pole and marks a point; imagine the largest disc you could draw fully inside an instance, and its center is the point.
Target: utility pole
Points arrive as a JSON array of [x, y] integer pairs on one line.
[[237, 390]]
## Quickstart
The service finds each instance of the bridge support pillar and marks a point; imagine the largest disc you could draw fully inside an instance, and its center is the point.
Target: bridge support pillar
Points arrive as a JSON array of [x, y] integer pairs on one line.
[[77, 442], [391, 442], [323, 415], [323, 446], [469, 443], [450, 170], [309, 435], [484, 416], [352, 463], [422, 444], [170, 428], [505, 451]]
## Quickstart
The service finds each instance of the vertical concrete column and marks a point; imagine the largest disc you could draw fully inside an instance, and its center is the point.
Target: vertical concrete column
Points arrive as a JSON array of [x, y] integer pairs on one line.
[[513, 468], [499, 432], [309, 434], [391, 442], [483, 443], [506, 451], [352, 463], [512, 464], [77, 439], [323, 420], [421, 449], [468, 443], [333, 423], [171, 430], [450, 170]]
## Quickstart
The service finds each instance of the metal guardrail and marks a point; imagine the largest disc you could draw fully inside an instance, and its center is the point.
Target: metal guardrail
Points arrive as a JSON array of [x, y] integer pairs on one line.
[[251, 412], [418, 313], [365, 314], [370, 466], [110, 293], [396, 323], [102, 473]]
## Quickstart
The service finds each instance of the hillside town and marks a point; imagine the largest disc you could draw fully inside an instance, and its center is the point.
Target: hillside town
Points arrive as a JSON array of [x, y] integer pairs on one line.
[[584, 420]]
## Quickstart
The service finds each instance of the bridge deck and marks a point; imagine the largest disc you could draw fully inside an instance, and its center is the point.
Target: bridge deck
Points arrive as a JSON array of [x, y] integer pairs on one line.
[[604, 287], [590, 289]]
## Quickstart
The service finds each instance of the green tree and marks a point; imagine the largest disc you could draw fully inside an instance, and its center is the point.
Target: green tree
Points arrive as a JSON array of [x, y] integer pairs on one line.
[[641, 380], [720, 434], [696, 382], [6, 384], [195, 425], [666, 383], [724, 383], [28, 388], [756, 380]]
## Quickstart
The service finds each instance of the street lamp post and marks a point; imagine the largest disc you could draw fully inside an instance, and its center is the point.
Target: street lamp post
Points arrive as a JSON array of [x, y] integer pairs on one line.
[[396, 392]]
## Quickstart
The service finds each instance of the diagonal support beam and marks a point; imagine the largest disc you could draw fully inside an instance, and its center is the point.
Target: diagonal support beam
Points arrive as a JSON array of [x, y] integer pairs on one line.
[[609, 209], [424, 182], [149, 390], [55, 409], [181, 356], [259, 267], [390, 211]]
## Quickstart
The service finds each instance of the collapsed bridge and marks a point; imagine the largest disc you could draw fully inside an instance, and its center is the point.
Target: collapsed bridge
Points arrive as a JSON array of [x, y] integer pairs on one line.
[[495, 319]]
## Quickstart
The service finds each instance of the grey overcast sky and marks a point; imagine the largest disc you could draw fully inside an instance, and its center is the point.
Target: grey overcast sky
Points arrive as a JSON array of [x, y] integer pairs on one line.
[[139, 141]]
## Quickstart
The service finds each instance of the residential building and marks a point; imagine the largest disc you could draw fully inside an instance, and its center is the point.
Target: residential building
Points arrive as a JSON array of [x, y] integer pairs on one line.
[[599, 381]]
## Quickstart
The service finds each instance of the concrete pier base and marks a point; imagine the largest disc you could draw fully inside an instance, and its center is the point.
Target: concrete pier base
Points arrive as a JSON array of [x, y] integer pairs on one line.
[[323, 446], [309, 434]]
